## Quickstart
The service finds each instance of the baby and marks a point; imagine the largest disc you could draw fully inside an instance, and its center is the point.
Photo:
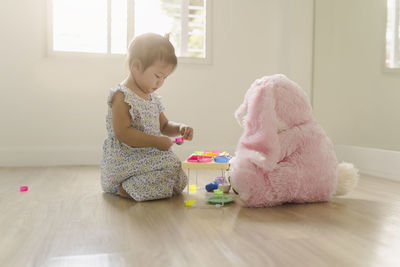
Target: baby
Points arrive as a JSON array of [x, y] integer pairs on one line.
[[137, 160]]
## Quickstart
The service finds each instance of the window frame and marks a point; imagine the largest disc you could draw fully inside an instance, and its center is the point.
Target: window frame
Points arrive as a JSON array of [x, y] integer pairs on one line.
[[385, 68], [50, 52]]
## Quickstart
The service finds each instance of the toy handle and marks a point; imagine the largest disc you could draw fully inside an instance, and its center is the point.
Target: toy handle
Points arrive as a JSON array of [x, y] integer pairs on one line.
[[178, 141]]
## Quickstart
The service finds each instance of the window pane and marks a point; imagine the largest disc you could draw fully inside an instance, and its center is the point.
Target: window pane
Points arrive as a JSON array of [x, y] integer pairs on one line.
[[80, 25], [196, 28], [183, 19], [174, 11], [149, 17], [118, 26], [393, 34]]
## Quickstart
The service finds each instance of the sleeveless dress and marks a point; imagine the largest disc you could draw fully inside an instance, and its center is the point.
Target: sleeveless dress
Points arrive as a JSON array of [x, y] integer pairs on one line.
[[146, 173]]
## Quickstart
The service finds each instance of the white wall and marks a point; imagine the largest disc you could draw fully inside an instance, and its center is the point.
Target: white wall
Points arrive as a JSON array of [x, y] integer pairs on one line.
[[52, 109], [354, 99]]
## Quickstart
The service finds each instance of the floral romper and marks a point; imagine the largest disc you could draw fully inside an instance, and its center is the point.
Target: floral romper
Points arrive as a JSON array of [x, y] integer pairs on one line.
[[145, 173]]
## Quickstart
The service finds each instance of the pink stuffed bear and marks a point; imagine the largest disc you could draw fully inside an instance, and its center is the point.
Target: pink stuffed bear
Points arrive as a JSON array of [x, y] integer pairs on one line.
[[284, 155]]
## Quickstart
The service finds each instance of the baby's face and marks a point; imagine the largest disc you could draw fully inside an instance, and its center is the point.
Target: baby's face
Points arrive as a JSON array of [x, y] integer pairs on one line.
[[154, 76]]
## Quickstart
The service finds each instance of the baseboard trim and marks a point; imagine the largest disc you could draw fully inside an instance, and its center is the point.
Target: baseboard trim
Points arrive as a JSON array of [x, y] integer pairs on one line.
[[70, 156], [371, 161], [49, 156]]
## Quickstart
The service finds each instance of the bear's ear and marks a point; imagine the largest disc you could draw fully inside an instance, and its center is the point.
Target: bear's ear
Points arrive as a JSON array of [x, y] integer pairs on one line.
[[261, 115], [260, 133], [241, 113], [242, 110]]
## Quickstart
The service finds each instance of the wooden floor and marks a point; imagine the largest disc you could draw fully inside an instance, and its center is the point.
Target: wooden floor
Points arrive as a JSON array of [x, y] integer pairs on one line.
[[65, 220]]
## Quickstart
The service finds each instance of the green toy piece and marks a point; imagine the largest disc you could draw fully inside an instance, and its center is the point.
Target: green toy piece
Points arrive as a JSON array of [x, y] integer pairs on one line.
[[218, 199], [218, 191]]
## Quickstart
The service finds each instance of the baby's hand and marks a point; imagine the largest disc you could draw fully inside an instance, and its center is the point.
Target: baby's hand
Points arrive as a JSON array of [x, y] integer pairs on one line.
[[186, 132], [164, 143]]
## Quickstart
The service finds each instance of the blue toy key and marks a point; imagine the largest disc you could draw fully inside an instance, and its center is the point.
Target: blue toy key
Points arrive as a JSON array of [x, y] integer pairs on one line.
[[211, 186]]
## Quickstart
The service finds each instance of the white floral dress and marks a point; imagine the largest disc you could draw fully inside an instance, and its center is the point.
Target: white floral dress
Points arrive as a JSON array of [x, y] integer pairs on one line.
[[145, 173]]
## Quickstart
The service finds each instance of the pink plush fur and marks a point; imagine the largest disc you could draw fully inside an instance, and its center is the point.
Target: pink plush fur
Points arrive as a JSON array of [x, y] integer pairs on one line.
[[274, 166]]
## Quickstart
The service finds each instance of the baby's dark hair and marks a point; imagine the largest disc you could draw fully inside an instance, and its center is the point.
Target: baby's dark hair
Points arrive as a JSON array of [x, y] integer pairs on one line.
[[150, 47]]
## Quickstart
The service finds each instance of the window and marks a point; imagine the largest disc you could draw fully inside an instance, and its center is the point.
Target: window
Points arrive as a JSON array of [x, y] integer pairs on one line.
[[392, 60], [106, 26]]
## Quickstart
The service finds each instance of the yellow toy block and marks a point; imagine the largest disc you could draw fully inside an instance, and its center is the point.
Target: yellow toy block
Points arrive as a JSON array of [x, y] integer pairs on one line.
[[189, 203], [192, 187]]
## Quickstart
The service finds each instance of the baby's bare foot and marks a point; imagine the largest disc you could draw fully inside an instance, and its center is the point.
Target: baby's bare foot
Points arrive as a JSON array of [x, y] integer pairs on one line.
[[122, 193]]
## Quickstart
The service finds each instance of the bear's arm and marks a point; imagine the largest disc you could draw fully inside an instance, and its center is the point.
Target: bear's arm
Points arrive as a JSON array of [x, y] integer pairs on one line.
[[292, 139]]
